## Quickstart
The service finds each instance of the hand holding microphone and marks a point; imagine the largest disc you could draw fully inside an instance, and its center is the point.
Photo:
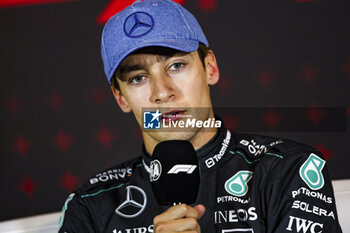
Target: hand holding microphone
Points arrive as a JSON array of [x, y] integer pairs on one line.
[[175, 179], [179, 218]]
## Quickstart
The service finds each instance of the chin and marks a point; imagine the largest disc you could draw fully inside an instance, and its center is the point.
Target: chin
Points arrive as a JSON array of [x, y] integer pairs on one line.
[[165, 136]]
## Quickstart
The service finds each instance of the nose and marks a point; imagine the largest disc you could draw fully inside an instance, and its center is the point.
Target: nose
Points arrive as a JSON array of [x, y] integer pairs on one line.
[[163, 89]]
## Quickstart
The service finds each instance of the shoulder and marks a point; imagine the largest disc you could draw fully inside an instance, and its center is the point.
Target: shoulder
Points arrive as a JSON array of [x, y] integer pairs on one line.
[[110, 177], [287, 162], [271, 149], [78, 211]]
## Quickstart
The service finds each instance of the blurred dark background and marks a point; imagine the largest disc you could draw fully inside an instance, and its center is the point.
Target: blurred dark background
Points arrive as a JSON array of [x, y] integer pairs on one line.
[[59, 121]]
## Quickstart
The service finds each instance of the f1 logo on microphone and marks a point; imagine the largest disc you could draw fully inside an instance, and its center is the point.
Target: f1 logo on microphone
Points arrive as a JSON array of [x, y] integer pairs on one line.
[[182, 168]]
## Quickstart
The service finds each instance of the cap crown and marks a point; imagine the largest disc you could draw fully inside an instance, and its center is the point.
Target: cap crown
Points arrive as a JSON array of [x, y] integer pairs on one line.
[[148, 23]]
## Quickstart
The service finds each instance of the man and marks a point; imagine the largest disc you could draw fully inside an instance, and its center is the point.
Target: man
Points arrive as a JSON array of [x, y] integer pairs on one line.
[[156, 56]]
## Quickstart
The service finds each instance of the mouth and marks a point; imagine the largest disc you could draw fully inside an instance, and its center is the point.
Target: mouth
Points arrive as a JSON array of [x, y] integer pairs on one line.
[[173, 115]]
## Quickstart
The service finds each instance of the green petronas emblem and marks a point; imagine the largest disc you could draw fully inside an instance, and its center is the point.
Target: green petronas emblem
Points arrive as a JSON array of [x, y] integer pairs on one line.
[[311, 172], [237, 184]]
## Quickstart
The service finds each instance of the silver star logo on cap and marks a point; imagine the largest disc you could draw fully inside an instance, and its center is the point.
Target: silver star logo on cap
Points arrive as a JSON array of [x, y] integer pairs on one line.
[[138, 24]]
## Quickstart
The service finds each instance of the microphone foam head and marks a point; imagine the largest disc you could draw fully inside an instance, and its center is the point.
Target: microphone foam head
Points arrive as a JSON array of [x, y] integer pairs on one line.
[[174, 172]]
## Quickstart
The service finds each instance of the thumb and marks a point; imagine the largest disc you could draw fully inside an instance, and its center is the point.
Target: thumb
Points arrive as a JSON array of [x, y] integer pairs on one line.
[[200, 210]]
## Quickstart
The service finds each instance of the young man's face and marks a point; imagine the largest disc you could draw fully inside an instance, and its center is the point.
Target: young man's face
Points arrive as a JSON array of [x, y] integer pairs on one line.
[[163, 78]]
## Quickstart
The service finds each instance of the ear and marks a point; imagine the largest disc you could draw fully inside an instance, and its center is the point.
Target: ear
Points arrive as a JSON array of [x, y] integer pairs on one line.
[[212, 68], [122, 102]]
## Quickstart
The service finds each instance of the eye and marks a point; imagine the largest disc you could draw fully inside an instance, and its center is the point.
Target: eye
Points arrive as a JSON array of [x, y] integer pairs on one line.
[[137, 80], [177, 66]]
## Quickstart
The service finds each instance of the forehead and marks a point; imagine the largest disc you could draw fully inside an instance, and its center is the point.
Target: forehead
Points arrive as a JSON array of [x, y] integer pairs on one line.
[[159, 52]]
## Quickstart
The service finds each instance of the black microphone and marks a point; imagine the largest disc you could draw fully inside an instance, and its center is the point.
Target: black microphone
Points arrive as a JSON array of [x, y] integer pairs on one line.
[[174, 173]]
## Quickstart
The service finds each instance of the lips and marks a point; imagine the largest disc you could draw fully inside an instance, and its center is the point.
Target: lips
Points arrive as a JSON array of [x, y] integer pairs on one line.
[[172, 115]]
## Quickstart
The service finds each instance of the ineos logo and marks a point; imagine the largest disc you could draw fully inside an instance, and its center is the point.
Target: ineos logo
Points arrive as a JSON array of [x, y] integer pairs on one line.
[[236, 230], [138, 24], [135, 203]]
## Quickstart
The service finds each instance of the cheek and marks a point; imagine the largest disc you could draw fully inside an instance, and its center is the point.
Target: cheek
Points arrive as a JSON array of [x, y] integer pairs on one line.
[[137, 100], [138, 96], [196, 85]]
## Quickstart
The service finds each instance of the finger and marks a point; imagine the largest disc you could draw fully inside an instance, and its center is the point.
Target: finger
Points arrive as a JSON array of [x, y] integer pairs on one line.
[[177, 212], [178, 225], [195, 212], [200, 210]]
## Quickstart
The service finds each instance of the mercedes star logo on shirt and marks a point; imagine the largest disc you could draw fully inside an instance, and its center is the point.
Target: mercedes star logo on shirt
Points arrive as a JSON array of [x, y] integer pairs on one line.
[[135, 203]]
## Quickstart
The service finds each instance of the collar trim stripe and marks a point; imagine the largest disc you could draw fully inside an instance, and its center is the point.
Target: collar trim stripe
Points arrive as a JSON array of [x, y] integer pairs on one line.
[[103, 190]]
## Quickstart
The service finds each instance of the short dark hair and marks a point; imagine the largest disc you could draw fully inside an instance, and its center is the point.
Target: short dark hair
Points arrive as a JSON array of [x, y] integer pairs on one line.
[[202, 53]]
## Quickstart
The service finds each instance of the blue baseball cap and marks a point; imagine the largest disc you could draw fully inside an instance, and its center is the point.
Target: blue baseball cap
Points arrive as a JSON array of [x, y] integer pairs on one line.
[[148, 23]]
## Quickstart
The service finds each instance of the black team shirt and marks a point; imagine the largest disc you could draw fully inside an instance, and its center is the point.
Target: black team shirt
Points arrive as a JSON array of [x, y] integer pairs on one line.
[[249, 184]]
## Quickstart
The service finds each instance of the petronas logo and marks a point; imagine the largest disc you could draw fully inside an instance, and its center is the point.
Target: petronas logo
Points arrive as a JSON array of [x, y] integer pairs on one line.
[[237, 184], [311, 172]]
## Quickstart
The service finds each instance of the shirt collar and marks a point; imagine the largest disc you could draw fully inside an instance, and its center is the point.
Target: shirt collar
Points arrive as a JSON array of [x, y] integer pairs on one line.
[[208, 155]]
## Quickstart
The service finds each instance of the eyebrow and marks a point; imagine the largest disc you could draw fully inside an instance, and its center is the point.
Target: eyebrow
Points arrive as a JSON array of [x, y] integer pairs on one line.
[[124, 69], [127, 69]]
